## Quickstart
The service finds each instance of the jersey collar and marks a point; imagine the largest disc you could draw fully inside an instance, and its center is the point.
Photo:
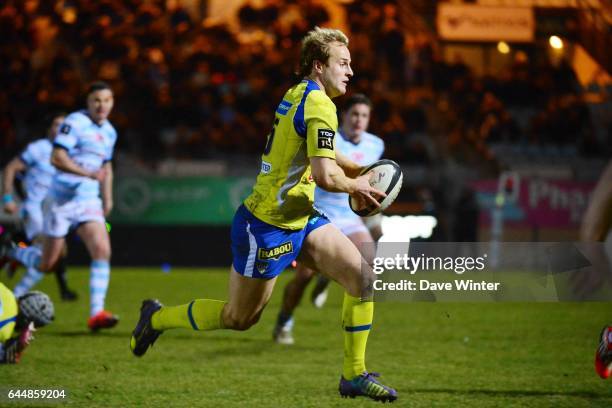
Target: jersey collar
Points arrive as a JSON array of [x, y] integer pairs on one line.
[[311, 83]]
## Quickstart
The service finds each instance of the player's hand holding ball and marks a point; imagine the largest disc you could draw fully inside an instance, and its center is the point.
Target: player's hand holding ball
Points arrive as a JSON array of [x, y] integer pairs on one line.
[[366, 196], [384, 180]]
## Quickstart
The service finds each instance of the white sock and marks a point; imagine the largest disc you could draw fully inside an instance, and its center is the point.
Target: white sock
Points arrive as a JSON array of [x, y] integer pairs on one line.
[[27, 282], [29, 256], [98, 284]]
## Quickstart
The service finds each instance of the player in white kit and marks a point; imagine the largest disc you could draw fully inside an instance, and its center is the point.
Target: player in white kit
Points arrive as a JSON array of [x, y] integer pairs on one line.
[[363, 148], [82, 154], [35, 163]]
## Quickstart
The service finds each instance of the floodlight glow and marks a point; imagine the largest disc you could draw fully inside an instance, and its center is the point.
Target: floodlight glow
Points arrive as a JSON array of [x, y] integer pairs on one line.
[[69, 16], [555, 42], [503, 47]]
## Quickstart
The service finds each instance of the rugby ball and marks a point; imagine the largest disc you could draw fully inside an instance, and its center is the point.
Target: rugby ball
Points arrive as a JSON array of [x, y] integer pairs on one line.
[[388, 178]]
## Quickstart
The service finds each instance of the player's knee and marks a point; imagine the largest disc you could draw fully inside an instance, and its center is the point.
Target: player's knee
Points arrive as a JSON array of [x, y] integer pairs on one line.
[[240, 321], [367, 285], [353, 288], [246, 324], [360, 284], [243, 323], [101, 251], [44, 266]]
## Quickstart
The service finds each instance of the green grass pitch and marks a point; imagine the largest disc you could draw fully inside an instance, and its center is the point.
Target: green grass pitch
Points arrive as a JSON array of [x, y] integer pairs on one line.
[[434, 354]]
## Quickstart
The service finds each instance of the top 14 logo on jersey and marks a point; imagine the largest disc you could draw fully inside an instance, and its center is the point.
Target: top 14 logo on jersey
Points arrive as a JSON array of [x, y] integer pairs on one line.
[[325, 139], [65, 129]]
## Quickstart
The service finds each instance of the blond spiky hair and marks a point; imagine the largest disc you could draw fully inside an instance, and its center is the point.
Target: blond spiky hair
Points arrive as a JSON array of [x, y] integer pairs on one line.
[[315, 46]]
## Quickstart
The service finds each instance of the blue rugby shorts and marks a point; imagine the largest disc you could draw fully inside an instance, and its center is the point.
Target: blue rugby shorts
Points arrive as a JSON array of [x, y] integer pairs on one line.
[[261, 250]]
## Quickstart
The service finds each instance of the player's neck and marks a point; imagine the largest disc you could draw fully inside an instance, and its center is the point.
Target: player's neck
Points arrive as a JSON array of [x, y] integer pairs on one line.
[[355, 139], [98, 122], [316, 81]]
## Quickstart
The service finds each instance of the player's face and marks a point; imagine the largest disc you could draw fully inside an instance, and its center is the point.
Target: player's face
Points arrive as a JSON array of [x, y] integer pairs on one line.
[[356, 120], [54, 128], [100, 104], [337, 72]]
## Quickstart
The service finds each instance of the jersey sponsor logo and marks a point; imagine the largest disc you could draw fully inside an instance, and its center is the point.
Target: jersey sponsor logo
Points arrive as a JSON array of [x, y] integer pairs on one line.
[[65, 129], [276, 252], [357, 157], [325, 139], [283, 107], [265, 167]]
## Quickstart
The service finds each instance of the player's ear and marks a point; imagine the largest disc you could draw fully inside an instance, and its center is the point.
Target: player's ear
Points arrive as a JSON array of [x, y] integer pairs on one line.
[[317, 66]]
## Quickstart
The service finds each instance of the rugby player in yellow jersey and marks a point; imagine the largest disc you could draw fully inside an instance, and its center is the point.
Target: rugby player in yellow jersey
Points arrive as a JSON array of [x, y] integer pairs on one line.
[[277, 223], [18, 319]]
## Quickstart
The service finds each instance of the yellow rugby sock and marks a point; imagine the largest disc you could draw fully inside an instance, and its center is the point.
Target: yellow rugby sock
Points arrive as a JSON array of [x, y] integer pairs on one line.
[[357, 317], [200, 314]]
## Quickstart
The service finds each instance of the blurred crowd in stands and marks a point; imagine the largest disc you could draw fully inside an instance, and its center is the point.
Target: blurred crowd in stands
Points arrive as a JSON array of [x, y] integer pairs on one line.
[[187, 88]]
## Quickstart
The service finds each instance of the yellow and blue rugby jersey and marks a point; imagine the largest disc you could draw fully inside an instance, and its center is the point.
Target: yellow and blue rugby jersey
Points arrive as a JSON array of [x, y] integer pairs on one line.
[[8, 313], [304, 126]]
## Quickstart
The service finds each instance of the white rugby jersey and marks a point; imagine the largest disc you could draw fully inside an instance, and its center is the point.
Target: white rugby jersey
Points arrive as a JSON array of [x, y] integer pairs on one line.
[[39, 172], [90, 146], [369, 149]]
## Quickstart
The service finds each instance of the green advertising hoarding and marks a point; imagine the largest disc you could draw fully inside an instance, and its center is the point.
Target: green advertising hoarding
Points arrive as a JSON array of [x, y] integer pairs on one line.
[[178, 200]]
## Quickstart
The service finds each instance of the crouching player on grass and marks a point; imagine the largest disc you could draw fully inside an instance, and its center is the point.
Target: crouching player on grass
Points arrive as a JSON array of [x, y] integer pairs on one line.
[[277, 222], [18, 319]]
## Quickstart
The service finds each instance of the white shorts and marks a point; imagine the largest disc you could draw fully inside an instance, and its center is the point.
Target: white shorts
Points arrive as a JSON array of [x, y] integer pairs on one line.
[[59, 218], [347, 221], [32, 218], [373, 221]]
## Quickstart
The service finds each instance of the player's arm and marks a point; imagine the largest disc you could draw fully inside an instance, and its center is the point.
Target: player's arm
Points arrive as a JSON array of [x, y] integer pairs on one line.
[[329, 176], [351, 169], [321, 124], [67, 139], [61, 160], [107, 188], [8, 178], [11, 349]]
